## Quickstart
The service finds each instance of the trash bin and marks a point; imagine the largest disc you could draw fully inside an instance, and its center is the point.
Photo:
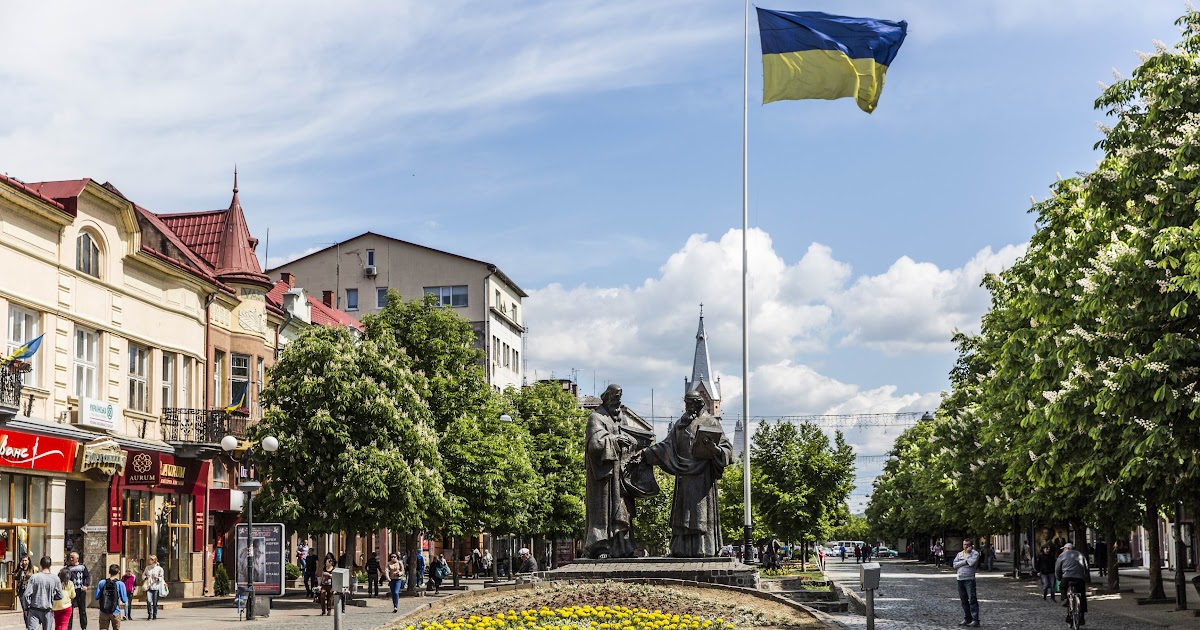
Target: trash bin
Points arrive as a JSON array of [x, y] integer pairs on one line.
[[868, 576]]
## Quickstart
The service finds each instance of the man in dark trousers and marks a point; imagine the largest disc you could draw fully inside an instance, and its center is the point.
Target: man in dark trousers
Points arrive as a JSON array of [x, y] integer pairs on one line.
[[373, 570], [82, 580], [1102, 557], [310, 573]]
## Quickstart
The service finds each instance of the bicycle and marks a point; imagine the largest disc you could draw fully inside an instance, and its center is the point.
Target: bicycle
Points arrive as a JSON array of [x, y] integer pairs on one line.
[[1073, 613]]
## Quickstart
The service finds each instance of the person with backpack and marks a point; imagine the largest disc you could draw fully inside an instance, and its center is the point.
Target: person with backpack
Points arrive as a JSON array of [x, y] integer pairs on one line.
[[152, 580], [62, 607], [111, 597], [41, 592]]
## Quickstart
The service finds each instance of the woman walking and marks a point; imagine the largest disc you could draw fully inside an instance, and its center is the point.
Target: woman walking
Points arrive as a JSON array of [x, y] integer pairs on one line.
[[62, 607], [438, 572], [326, 594], [395, 574], [153, 581], [21, 576], [130, 581], [1044, 567]]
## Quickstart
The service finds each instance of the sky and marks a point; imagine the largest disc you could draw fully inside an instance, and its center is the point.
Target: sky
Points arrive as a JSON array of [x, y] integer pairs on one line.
[[593, 151]]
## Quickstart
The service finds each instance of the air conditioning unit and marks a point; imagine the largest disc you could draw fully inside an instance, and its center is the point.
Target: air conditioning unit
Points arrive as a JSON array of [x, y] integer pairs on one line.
[[370, 271]]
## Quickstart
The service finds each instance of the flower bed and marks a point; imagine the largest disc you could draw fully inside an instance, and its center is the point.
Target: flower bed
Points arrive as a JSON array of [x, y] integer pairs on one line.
[[608, 606]]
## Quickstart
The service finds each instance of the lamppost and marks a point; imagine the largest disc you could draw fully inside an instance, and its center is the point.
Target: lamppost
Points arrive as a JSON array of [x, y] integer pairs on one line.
[[248, 485]]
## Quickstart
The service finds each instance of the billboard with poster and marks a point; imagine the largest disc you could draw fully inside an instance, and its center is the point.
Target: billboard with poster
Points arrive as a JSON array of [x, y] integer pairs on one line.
[[266, 557]]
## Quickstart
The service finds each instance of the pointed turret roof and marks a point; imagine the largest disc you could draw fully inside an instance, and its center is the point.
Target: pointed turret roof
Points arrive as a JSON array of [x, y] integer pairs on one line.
[[701, 368], [223, 239]]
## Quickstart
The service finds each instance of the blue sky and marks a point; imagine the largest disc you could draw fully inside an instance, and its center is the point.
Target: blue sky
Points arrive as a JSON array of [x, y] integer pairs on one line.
[[592, 150]]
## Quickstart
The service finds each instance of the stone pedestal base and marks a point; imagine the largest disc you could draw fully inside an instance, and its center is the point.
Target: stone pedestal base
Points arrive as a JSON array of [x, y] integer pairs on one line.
[[726, 571]]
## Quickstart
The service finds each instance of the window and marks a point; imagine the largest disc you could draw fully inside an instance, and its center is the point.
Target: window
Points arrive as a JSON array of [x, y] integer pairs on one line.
[[23, 328], [495, 349], [137, 522], [168, 381], [87, 343], [239, 380], [138, 358], [449, 296], [514, 312], [262, 376], [380, 297], [371, 257], [179, 566], [351, 299], [23, 519], [505, 355], [499, 301], [185, 384], [87, 255], [516, 366], [218, 399]]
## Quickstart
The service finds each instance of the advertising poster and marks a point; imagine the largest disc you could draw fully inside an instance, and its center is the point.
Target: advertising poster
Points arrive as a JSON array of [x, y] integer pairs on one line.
[[264, 557]]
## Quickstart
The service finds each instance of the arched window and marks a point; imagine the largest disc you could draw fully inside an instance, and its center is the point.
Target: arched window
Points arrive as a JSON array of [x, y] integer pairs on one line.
[[87, 255]]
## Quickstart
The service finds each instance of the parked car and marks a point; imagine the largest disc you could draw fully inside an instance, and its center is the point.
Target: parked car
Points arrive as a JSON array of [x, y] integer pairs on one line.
[[884, 552]]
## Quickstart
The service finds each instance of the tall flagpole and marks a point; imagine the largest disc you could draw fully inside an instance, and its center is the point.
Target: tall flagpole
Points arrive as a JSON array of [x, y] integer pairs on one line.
[[746, 554]]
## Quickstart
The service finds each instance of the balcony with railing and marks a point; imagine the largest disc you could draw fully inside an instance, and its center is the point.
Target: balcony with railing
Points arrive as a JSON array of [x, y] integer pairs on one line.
[[198, 432], [10, 387]]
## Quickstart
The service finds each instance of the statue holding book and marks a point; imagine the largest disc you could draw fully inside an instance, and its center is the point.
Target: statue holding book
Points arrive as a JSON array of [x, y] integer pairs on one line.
[[696, 452]]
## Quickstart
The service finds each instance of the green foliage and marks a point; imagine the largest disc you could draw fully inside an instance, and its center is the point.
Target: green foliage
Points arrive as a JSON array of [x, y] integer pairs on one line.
[[652, 521], [731, 500], [356, 448], [554, 419], [361, 577], [800, 481], [221, 583], [291, 570], [854, 528], [1078, 399]]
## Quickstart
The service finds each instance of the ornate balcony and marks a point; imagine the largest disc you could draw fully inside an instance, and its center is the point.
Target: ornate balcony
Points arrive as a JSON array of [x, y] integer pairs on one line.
[[10, 387], [198, 432]]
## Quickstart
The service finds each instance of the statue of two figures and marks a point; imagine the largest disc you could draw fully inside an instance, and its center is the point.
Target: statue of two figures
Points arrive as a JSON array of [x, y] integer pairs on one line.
[[620, 459]]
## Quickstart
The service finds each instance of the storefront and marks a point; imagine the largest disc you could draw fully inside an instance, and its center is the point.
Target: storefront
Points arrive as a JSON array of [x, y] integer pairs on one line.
[[29, 466], [159, 508]]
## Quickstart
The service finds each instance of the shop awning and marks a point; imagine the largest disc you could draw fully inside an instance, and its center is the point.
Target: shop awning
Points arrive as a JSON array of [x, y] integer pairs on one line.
[[58, 429]]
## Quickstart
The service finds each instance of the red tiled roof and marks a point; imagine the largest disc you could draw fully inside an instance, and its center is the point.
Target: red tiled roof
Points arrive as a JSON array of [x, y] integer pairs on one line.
[[61, 190], [200, 231], [31, 191], [193, 260]]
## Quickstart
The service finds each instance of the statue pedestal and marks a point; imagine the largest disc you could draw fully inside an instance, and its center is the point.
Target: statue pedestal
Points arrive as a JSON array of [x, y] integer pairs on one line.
[[726, 571]]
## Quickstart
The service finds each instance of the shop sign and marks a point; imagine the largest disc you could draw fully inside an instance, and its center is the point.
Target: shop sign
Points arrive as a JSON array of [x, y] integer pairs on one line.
[[266, 554], [99, 413], [150, 468], [36, 452], [104, 456], [94, 529]]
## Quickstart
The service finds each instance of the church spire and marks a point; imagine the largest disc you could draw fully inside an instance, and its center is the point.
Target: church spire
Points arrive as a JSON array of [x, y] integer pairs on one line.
[[702, 376], [236, 260]]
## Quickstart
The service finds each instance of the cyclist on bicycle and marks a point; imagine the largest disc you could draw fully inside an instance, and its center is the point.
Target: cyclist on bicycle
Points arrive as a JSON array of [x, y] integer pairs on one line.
[[1071, 569]]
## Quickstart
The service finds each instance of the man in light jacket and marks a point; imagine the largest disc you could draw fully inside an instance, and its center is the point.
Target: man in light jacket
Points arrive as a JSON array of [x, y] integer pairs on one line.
[[1071, 568], [965, 562]]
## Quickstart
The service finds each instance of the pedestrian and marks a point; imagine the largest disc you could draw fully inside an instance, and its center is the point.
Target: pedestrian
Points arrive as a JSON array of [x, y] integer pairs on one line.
[[842, 551], [111, 597], [1043, 567], [41, 592], [475, 566], [1071, 570], [821, 557], [422, 586], [302, 554], [62, 607], [395, 574], [373, 572], [528, 564], [965, 562], [488, 562], [325, 595], [153, 581], [130, 581], [857, 553], [937, 554], [438, 571], [1102, 557], [21, 576], [310, 574], [82, 580]]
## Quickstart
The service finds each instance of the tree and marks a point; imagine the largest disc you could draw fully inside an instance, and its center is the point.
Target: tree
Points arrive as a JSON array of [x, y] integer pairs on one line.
[[356, 449], [801, 480], [730, 498], [556, 424], [652, 520]]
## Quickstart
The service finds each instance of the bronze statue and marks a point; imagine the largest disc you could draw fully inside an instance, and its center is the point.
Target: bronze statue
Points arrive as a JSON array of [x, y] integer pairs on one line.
[[696, 451], [613, 436]]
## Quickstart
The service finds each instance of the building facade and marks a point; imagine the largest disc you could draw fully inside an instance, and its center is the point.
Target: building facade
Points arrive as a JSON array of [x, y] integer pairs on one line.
[[156, 333], [356, 275]]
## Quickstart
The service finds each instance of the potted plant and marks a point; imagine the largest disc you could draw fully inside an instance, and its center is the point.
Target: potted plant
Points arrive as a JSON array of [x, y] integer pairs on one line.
[[356, 578]]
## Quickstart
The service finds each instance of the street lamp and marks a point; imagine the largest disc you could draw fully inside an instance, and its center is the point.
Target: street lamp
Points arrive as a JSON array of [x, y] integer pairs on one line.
[[248, 485]]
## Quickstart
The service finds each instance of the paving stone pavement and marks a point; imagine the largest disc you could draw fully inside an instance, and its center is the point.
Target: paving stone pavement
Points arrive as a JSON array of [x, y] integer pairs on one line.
[[918, 596]]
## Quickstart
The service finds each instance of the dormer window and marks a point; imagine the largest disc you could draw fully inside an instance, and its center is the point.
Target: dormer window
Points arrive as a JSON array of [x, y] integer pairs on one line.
[[87, 255]]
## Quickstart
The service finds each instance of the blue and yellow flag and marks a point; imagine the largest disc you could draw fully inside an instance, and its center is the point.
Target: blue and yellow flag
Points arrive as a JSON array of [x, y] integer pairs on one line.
[[807, 54], [24, 351], [239, 398]]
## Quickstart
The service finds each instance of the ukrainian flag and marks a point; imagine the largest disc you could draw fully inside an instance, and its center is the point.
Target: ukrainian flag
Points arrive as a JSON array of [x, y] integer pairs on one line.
[[239, 398], [25, 351], [807, 54]]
